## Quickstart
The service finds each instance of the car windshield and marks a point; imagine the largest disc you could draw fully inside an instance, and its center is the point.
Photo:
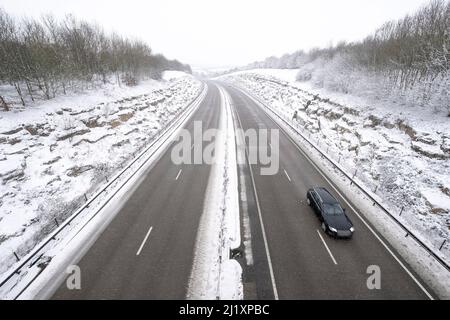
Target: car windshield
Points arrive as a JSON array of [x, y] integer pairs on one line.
[[333, 209]]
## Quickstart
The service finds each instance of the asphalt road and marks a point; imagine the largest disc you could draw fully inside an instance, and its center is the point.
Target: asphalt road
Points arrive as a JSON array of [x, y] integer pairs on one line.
[[168, 201], [305, 262], [148, 249]]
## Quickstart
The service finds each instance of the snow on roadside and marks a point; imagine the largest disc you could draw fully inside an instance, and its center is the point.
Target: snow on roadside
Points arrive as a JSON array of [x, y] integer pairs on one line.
[[79, 100], [75, 240], [214, 275], [53, 153], [429, 270], [173, 74]]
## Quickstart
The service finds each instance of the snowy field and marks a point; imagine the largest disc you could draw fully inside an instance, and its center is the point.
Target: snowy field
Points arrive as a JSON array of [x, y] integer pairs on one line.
[[402, 153], [53, 153]]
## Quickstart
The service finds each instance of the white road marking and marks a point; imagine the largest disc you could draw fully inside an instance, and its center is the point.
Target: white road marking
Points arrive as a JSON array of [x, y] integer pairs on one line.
[[326, 247], [179, 173], [287, 176], [351, 207], [266, 246], [143, 242]]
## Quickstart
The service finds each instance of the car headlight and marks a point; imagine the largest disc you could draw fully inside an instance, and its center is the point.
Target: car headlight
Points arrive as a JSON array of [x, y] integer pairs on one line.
[[333, 229], [352, 229]]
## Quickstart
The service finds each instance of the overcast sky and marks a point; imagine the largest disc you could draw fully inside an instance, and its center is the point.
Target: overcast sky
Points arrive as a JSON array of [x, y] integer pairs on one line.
[[212, 33]]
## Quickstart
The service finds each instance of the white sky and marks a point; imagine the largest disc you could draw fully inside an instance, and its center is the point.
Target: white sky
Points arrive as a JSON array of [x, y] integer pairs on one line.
[[212, 33]]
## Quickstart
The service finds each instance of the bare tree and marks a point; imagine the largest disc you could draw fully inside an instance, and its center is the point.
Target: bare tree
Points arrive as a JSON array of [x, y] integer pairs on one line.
[[46, 57], [3, 104]]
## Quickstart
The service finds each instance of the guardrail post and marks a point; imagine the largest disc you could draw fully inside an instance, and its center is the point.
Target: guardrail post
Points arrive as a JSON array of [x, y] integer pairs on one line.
[[442, 245]]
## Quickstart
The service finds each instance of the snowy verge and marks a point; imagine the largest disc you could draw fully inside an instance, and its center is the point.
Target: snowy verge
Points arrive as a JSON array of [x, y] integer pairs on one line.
[[68, 243], [434, 274], [214, 275]]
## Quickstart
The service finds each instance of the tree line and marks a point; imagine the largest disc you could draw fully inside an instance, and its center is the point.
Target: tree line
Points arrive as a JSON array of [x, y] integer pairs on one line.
[[46, 57], [413, 49]]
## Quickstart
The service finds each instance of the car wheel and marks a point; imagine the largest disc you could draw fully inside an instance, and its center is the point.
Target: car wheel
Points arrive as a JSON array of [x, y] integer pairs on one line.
[[308, 202], [324, 227]]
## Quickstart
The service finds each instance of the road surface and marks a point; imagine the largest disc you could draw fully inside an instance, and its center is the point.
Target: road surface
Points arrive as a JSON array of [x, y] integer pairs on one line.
[[148, 249]]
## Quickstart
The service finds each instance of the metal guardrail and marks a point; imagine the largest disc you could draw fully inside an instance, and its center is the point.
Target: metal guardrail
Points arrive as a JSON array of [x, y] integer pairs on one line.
[[176, 121], [356, 183]]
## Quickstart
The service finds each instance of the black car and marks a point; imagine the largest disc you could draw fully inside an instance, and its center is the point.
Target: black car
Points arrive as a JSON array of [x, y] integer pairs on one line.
[[331, 214]]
